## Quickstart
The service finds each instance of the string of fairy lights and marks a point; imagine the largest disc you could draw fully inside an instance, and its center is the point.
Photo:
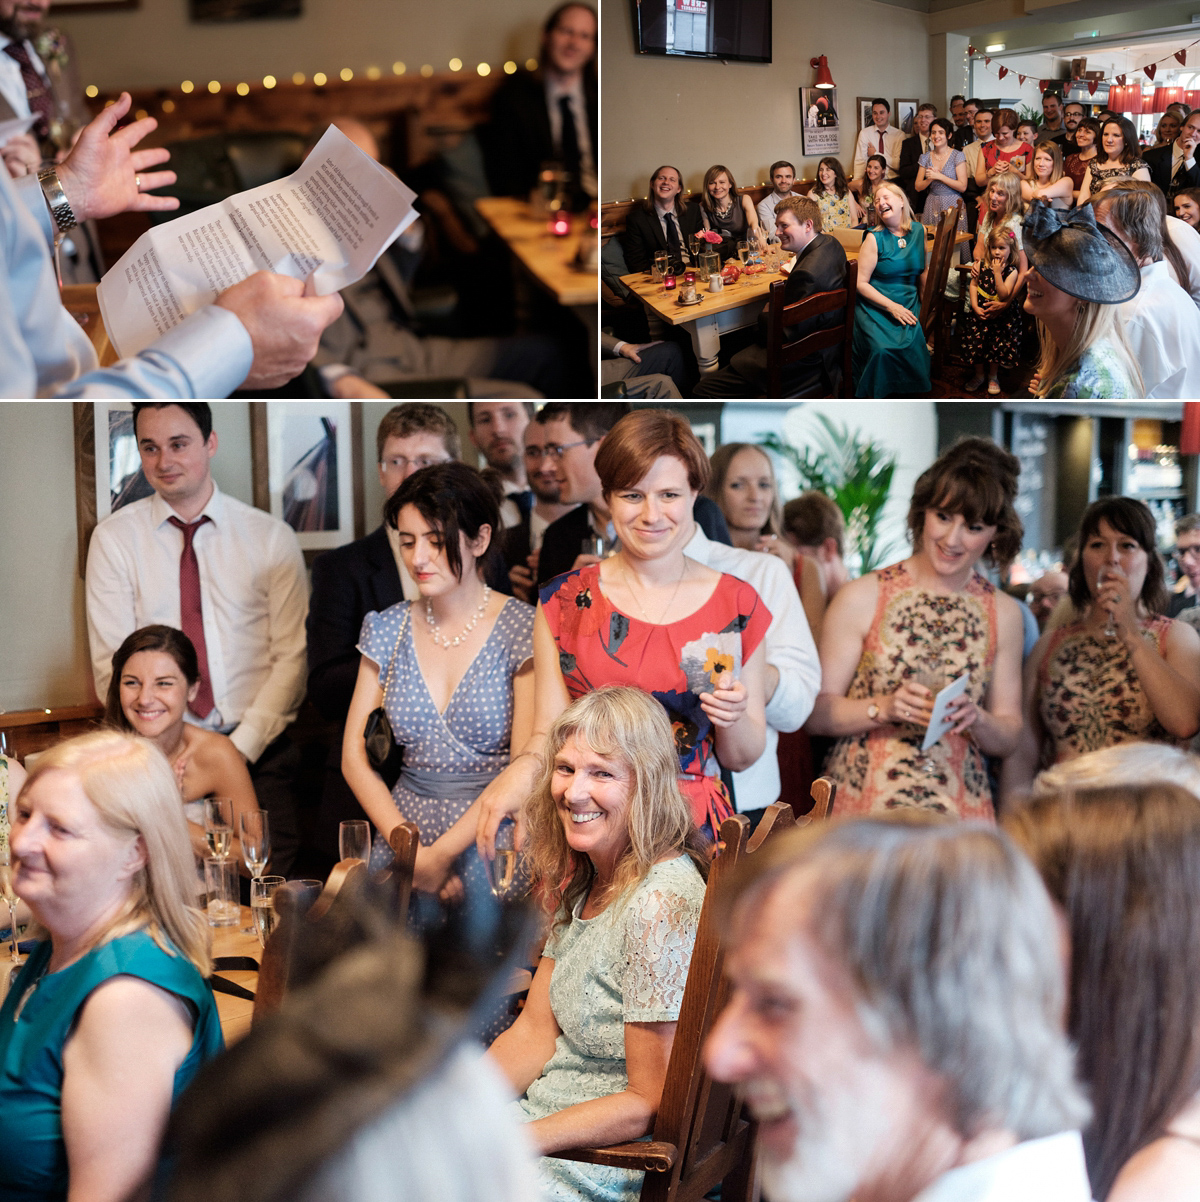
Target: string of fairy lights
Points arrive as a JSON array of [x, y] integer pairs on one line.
[[320, 79]]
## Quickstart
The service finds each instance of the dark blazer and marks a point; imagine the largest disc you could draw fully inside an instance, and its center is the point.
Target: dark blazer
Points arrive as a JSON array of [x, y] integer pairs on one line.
[[963, 137], [906, 172], [517, 139], [1159, 161], [563, 538], [644, 236]]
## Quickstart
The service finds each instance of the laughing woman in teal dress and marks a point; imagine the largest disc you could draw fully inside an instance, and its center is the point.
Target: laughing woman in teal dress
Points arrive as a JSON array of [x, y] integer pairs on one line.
[[617, 861], [890, 355]]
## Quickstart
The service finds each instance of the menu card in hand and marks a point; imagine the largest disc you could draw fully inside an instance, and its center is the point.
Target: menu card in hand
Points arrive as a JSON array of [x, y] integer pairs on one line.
[[940, 722], [325, 224]]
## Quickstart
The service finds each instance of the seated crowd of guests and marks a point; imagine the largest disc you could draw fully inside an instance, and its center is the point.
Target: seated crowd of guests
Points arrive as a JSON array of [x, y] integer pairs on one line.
[[1076, 229], [618, 654]]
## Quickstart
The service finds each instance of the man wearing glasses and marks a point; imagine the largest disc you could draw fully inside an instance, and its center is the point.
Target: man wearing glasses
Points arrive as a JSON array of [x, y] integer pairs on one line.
[[350, 581], [1187, 555]]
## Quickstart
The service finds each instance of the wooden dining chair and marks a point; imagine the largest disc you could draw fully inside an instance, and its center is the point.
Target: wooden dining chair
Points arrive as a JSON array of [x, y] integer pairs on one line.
[[404, 841], [824, 792], [937, 270], [781, 317], [702, 1134]]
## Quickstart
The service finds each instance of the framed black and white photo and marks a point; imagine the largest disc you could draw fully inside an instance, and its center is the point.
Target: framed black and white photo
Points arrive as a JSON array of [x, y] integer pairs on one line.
[[864, 113], [904, 115]]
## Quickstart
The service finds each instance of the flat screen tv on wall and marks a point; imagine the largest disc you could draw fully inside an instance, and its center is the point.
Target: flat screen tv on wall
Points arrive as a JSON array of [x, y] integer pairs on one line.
[[724, 29]]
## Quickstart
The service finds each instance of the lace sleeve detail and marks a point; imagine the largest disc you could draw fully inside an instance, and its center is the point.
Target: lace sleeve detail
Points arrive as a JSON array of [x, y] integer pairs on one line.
[[660, 931]]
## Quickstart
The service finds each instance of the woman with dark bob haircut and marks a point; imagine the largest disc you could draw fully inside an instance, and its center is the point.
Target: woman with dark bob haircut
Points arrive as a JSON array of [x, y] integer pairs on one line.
[[155, 676], [894, 638], [452, 670], [1124, 866], [1122, 672]]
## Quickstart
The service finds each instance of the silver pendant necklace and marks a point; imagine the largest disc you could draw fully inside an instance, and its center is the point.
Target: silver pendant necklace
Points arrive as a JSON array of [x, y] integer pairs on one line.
[[439, 639], [637, 600]]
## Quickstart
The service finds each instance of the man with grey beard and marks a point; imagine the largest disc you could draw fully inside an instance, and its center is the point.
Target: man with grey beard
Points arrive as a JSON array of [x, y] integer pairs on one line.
[[896, 1018]]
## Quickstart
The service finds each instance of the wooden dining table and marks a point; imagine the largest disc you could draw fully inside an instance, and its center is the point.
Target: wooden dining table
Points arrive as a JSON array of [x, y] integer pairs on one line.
[[735, 307], [235, 1013]]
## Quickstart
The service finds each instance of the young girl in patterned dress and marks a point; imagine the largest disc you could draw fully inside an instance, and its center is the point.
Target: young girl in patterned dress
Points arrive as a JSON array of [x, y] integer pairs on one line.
[[993, 323]]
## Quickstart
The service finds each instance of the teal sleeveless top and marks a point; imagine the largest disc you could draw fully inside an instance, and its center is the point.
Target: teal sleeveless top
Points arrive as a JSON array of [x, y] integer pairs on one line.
[[33, 1157]]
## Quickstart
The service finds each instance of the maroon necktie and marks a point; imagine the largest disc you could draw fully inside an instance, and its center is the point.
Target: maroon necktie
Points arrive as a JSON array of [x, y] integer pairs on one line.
[[36, 88], [191, 616], [881, 143]]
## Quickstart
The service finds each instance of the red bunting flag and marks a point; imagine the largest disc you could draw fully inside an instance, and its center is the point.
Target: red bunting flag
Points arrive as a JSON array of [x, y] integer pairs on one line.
[[988, 61], [1189, 439], [1121, 80], [970, 49], [1181, 55], [1002, 72], [1150, 70], [1092, 86], [1021, 80], [1043, 84]]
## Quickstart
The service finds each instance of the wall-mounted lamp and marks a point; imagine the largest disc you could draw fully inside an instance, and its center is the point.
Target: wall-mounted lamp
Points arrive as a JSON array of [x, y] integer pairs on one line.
[[824, 79]]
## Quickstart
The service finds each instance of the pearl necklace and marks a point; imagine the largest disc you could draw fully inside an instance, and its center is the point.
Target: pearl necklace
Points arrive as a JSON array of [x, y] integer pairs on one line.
[[440, 640]]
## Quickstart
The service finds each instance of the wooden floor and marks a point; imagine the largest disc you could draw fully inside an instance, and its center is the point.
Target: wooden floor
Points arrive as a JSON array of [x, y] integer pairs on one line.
[[1014, 385]]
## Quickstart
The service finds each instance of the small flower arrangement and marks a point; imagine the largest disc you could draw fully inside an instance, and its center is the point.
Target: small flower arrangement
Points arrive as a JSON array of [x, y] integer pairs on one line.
[[709, 236], [51, 47]]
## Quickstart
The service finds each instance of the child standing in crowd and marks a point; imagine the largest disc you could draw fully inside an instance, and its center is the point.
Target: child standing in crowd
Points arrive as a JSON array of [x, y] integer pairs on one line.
[[993, 324]]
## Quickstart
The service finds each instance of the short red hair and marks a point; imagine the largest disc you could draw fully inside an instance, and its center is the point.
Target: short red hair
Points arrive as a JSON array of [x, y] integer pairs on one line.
[[632, 446]]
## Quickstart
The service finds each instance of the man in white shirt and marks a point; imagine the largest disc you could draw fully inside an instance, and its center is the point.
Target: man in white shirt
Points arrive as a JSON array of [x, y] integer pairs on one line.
[[783, 176], [496, 429], [793, 671], [971, 151], [896, 1023], [1160, 322], [881, 137], [247, 583]]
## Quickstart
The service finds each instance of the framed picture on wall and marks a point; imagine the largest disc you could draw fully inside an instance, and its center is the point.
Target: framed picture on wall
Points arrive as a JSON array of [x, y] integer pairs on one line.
[[864, 112], [220, 11], [819, 120], [95, 6], [306, 461], [904, 115]]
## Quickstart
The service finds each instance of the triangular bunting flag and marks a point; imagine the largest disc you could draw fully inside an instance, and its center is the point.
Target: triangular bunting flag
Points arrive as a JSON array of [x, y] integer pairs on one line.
[[1021, 80], [1181, 55], [970, 49], [1092, 86], [1002, 72], [988, 61], [1043, 84], [1150, 70], [1121, 80]]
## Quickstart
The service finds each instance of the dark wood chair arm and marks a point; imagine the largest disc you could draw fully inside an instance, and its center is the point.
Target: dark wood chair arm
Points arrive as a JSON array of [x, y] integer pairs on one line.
[[640, 1155]]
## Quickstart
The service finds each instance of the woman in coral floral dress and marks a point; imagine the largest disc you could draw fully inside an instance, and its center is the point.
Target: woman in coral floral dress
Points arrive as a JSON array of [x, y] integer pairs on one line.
[[1122, 673], [892, 639]]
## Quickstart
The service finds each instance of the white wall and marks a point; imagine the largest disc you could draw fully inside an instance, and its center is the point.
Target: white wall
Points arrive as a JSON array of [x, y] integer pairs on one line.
[[746, 115]]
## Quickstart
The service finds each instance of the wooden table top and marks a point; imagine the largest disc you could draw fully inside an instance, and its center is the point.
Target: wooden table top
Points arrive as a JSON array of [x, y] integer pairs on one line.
[[546, 257], [236, 1012]]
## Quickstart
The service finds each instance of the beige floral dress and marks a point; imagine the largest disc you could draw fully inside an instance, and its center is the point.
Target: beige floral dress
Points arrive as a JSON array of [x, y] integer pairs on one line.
[[1090, 696], [922, 636]]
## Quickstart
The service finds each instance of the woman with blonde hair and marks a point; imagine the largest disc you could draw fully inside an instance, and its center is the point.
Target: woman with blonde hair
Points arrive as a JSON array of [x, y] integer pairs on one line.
[[111, 1016], [619, 865], [1046, 179], [1001, 208]]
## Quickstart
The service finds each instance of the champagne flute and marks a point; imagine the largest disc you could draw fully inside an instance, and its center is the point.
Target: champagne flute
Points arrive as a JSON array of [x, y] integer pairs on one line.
[[354, 840], [218, 825], [262, 905], [503, 872], [743, 251], [930, 673], [254, 830], [1110, 626], [660, 266]]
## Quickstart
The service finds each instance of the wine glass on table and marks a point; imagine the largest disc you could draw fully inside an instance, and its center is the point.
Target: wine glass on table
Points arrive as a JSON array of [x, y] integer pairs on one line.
[[743, 252], [354, 840], [932, 674], [262, 906], [254, 830]]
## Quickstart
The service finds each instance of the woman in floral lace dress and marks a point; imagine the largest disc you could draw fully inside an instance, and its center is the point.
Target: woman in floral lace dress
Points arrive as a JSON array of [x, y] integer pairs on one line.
[[892, 639], [1123, 672], [616, 859]]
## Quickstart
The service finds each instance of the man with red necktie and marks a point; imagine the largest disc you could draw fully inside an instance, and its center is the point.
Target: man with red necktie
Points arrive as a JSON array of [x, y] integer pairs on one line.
[[231, 578]]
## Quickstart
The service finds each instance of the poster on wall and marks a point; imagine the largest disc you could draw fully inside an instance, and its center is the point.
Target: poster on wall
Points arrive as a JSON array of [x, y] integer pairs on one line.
[[212, 11], [818, 108]]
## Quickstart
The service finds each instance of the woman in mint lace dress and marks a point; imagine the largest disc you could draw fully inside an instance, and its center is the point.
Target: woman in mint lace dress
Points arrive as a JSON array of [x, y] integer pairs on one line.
[[617, 860]]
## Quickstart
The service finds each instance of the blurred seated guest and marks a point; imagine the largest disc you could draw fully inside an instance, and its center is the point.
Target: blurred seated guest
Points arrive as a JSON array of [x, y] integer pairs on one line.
[[1046, 180], [1006, 154], [890, 355], [876, 173], [1118, 157], [1187, 206], [783, 176], [551, 114], [820, 266], [1122, 766], [1045, 593], [834, 198], [881, 137], [1187, 556], [1160, 321], [1123, 672], [111, 1016], [942, 176], [522, 544], [896, 1018], [816, 528], [1172, 165], [155, 675], [1122, 861], [374, 342], [1079, 276], [259, 333], [726, 212], [662, 223], [897, 636], [1087, 138], [649, 369], [620, 866]]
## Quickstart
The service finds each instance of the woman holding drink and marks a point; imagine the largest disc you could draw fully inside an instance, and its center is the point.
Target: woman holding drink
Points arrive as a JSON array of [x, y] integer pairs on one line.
[[895, 637], [1123, 672]]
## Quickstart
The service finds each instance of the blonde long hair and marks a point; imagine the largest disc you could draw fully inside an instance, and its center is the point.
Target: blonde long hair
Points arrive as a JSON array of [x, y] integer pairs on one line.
[[1093, 322], [132, 786], [629, 726], [906, 221]]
